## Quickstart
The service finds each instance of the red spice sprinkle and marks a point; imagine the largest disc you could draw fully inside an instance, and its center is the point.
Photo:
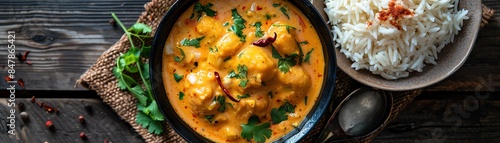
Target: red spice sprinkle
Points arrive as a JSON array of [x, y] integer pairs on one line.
[[28, 62], [32, 99], [25, 55], [21, 83], [49, 124], [243, 7], [83, 136], [393, 14], [7, 78], [259, 8]]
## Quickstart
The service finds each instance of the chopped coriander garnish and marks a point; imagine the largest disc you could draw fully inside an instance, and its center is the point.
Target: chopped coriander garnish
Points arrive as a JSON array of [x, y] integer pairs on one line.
[[238, 25], [195, 42], [199, 8], [283, 9], [279, 114], [258, 32], [222, 102], [259, 133], [288, 27], [301, 53], [179, 59], [227, 59], [308, 56], [225, 23], [242, 75], [304, 43], [181, 95], [268, 16], [209, 118], [284, 64], [276, 4], [178, 77], [243, 96], [213, 50]]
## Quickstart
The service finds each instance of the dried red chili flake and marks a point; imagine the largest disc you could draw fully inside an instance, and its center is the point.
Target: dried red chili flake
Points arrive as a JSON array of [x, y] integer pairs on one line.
[[7, 78], [217, 76], [259, 8], [25, 55], [263, 42], [106, 141], [28, 62], [394, 13], [49, 124], [21, 83], [83, 136], [40, 104], [32, 99]]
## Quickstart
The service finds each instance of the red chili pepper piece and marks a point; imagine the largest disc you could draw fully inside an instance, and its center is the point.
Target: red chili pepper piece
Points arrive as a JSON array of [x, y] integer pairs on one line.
[[25, 55], [28, 62], [7, 78], [32, 99], [21, 83], [223, 88], [265, 41]]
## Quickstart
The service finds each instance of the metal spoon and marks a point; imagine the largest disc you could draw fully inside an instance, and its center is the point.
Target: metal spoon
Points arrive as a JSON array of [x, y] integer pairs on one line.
[[358, 114]]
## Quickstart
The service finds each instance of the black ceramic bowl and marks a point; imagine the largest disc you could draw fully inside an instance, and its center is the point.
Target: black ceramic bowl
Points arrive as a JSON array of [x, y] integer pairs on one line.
[[189, 134]]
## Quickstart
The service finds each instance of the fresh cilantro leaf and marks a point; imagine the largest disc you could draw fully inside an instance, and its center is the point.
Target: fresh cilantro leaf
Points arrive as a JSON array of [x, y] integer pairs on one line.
[[259, 133], [308, 56], [284, 64], [304, 43], [242, 71], [288, 107], [140, 28], [179, 59], [243, 83], [181, 95], [258, 31], [243, 96], [222, 102], [268, 16], [232, 74], [155, 112], [213, 50], [227, 59], [238, 25], [178, 77], [145, 50], [276, 4], [230, 104], [139, 93], [199, 9], [283, 9], [270, 94], [209, 118], [145, 121], [195, 42], [288, 27], [277, 116], [225, 23]]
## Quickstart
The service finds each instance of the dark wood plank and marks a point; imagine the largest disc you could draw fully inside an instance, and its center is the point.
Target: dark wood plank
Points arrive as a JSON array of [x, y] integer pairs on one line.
[[469, 117], [65, 37], [102, 123]]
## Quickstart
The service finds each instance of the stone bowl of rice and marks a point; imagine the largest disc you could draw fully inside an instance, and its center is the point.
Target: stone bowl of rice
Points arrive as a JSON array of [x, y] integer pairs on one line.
[[402, 45]]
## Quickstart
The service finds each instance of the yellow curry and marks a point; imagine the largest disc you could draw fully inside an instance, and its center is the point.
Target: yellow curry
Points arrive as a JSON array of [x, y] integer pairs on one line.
[[239, 70]]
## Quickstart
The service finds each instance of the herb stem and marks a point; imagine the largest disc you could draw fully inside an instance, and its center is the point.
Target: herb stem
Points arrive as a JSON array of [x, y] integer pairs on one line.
[[148, 87], [124, 28]]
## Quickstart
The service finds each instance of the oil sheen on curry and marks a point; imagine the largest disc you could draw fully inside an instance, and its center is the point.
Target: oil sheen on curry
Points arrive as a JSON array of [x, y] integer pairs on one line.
[[239, 71]]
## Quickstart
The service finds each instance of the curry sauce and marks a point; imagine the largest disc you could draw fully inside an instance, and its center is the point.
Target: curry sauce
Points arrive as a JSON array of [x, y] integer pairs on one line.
[[265, 91]]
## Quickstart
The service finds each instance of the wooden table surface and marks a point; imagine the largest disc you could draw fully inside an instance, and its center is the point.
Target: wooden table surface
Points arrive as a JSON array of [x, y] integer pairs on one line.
[[66, 37]]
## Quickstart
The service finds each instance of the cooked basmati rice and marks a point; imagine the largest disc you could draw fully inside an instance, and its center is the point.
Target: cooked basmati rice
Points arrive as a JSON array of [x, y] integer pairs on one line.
[[386, 49]]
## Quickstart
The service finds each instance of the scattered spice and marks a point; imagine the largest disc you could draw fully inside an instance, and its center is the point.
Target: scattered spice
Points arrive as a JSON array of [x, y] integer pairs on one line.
[[21, 106], [263, 42], [25, 55], [19, 57], [48, 108], [20, 82], [40, 104], [112, 22], [83, 136], [393, 14], [49, 124], [7, 78], [32, 99], [28, 62], [88, 107], [81, 119], [217, 76], [106, 141], [24, 116]]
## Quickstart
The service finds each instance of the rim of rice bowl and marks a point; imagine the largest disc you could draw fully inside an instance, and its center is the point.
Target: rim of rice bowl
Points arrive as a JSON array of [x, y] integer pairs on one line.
[[393, 38]]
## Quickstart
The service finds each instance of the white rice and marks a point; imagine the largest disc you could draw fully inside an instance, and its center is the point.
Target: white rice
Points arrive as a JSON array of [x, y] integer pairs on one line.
[[381, 47]]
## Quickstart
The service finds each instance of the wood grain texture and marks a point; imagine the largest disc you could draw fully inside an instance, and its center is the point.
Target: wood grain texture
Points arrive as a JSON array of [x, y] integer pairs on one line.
[[102, 123], [65, 37], [469, 117]]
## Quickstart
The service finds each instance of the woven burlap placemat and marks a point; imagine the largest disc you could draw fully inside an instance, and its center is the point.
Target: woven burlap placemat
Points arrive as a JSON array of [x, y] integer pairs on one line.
[[100, 78]]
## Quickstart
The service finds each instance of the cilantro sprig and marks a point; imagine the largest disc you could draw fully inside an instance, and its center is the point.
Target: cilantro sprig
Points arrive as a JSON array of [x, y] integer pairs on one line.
[[195, 42], [130, 64], [199, 9], [258, 31], [259, 133], [278, 115], [284, 63], [238, 25], [242, 75]]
